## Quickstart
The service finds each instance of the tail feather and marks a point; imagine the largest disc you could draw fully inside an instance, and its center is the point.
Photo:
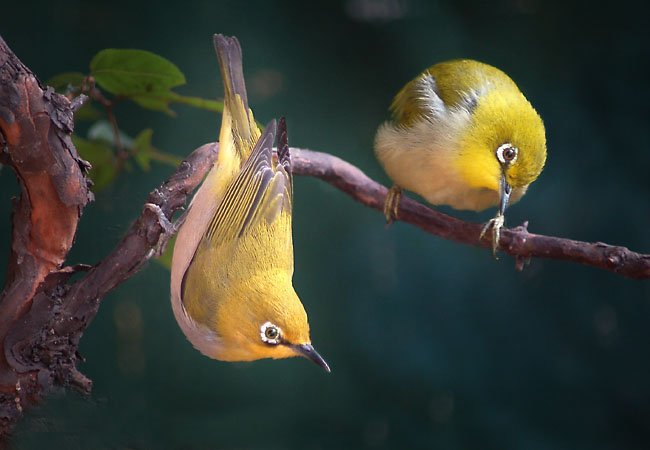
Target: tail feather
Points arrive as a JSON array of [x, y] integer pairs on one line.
[[244, 129], [230, 62]]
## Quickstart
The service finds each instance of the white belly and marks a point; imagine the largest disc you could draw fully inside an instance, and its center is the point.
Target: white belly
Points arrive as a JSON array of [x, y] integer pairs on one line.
[[425, 165]]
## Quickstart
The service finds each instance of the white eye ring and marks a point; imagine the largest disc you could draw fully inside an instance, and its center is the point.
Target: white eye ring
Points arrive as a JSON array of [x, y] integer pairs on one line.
[[268, 328], [500, 153]]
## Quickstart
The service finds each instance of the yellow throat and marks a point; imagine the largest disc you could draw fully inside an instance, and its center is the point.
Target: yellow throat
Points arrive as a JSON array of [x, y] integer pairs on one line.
[[231, 288], [448, 127]]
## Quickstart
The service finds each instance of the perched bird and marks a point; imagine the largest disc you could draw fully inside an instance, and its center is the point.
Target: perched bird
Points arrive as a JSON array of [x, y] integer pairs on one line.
[[231, 288], [462, 135]]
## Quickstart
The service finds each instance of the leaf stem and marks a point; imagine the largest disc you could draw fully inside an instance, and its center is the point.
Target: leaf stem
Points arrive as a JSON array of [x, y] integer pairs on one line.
[[88, 87], [198, 102]]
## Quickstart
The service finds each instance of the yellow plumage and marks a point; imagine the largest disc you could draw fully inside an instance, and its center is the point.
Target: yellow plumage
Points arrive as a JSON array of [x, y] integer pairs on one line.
[[231, 285], [454, 129]]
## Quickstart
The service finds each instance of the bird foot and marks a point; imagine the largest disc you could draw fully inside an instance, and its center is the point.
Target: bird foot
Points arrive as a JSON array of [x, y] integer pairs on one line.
[[391, 204], [495, 224], [169, 229]]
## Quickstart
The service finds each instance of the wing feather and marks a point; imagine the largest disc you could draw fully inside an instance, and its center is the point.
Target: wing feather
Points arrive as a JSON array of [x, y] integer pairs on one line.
[[262, 189]]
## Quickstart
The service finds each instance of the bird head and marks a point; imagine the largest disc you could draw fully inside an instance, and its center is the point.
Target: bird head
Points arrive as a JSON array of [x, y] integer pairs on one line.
[[264, 323], [504, 145]]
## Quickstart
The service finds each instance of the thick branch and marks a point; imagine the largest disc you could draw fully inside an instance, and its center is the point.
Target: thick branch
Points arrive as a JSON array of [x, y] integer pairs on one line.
[[516, 241], [133, 251], [42, 316], [36, 124], [35, 127], [41, 349]]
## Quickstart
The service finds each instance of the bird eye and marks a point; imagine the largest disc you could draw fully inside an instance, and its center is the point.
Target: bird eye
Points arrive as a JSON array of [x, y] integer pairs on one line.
[[270, 333], [507, 153]]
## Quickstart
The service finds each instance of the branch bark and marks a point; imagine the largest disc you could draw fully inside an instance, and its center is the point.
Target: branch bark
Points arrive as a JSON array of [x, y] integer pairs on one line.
[[517, 242], [43, 315], [35, 128]]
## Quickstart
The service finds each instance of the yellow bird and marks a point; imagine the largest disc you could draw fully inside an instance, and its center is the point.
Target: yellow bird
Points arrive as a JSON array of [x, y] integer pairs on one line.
[[462, 135], [231, 280]]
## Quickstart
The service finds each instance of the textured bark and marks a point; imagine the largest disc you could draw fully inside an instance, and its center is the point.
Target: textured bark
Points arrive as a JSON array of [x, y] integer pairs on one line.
[[43, 315], [517, 241], [35, 127]]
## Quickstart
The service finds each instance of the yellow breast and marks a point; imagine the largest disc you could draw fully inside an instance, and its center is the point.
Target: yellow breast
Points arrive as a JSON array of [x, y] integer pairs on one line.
[[448, 123]]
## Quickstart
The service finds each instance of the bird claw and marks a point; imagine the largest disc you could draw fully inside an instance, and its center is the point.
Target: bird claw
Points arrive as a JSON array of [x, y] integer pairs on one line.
[[169, 229], [496, 223], [391, 204]]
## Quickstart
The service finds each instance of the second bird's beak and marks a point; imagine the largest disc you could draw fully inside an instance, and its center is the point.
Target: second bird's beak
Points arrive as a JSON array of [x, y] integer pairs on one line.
[[504, 194], [309, 352]]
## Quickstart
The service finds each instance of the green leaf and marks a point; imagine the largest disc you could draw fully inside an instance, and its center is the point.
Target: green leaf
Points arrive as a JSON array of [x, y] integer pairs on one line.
[[63, 81], [142, 149], [134, 72], [101, 158], [157, 101], [201, 103], [95, 152], [144, 152], [88, 112], [102, 130], [144, 78]]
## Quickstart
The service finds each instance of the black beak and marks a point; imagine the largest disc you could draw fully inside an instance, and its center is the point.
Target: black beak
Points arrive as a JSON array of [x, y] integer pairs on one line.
[[309, 352], [504, 194]]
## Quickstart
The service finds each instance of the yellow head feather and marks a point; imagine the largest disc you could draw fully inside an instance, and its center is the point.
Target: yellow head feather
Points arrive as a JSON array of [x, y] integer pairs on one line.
[[502, 117], [239, 281], [231, 286], [498, 113]]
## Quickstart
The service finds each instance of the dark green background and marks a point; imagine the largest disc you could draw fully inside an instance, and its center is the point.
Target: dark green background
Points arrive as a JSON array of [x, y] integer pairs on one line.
[[432, 344]]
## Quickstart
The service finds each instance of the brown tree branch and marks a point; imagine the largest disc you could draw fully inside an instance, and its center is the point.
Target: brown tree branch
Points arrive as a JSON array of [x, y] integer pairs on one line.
[[43, 315], [35, 125], [517, 241], [41, 347], [88, 88]]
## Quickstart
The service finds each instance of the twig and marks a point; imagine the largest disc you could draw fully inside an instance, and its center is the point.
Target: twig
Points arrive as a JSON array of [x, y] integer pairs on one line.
[[516, 241], [88, 87], [42, 316]]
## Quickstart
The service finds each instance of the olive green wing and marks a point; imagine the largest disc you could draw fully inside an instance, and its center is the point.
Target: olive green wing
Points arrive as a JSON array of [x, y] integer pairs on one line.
[[244, 129], [257, 203], [445, 88], [263, 190], [418, 100]]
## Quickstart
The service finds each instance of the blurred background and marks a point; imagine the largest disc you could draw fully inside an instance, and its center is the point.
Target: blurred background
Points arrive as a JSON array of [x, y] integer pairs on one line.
[[432, 344]]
